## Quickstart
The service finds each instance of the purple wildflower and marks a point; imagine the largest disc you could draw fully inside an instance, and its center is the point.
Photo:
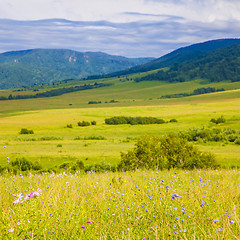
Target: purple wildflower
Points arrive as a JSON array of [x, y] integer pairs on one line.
[[175, 195]]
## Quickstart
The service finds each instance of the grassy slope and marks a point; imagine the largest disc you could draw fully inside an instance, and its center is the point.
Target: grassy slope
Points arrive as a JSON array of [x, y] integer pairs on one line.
[[190, 112], [128, 93], [48, 118]]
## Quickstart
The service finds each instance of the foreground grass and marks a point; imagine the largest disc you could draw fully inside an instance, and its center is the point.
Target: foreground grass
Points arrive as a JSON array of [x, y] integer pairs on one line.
[[132, 205]]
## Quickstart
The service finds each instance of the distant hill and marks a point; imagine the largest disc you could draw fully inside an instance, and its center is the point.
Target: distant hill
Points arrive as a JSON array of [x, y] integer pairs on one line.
[[39, 66], [179, 56], [220, 65]]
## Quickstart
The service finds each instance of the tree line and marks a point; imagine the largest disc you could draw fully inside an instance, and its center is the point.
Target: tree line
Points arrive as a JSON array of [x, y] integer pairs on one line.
[[56, 92], [197, 91]]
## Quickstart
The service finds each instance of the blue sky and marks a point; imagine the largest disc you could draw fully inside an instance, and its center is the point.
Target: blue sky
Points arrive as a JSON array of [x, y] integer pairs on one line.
[[132, 28]]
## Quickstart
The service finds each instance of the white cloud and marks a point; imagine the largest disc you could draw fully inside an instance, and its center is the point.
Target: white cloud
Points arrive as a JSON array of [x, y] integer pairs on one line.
[[111, 10], [134, 39], [127, 27]]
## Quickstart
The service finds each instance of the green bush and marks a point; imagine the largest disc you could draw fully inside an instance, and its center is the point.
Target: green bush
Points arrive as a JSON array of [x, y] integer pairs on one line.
[[100, 167], [218, 120], [71, 166], [94, 138], [210, 134], [237, 141], [165, 152], [23, 164], [26, 131], [93, 123], [83, 124], [133, 120]]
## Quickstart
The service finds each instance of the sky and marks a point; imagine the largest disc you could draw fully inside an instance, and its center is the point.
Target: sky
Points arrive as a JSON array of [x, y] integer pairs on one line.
[[131, 28]]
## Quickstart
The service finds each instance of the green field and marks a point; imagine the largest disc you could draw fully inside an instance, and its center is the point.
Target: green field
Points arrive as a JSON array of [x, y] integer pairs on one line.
[[173, 204], [53, 143]]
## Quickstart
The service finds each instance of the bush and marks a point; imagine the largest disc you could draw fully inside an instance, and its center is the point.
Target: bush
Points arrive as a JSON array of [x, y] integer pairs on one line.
[[69, 126], [165, 152], [94, 138], [72, 167], [173, 120], [237, 141], [93, 123], [218, 120], [133, 120], [83, 124], [24, 165], [210, 134], [26, 131], [100, 167]]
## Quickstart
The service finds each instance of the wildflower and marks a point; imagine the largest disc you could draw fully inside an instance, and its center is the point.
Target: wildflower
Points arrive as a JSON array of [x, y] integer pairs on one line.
[[231, 221], [174, 196], [11, 230], [89, 222], [18, 223], [83, 227], [215, 220]]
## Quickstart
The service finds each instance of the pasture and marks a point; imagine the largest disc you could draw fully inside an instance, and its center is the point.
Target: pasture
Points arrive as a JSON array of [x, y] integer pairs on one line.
[[53, 143]]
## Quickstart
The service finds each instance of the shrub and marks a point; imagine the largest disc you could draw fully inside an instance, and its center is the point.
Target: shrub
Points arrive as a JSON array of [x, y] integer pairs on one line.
[[93, 123], [24, 165], [26, 131], [218, 120], [237, 141], [210, 134], [83, 124], [71, 166], [133, 120], [165, 152], [69, 126], [173, 120], [94, 138], [100, 167]]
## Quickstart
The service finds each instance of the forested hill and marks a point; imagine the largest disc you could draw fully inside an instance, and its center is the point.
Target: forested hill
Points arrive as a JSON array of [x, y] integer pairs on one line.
[[220, 65], [38, 66], [179, 56]]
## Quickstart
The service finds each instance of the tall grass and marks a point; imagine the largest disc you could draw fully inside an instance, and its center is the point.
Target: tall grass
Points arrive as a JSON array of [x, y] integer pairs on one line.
[[132, 205]]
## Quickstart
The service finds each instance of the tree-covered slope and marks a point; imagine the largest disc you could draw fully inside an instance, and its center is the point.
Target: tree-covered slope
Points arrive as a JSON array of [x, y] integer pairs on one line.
[[220, 65], [37, 66], [180, 55]]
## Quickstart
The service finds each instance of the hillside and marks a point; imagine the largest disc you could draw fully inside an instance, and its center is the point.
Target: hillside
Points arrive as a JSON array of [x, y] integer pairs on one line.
[[179, 56], [220, 65], [39, 66]]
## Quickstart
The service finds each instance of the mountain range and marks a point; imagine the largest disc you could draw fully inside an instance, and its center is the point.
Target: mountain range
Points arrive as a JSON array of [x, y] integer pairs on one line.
[[215, 60], [179, 56], [40, 66]]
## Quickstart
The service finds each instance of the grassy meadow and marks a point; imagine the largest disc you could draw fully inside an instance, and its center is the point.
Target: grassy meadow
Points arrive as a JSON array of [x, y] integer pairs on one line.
[[132, 205], [53, 143], [174, 204]]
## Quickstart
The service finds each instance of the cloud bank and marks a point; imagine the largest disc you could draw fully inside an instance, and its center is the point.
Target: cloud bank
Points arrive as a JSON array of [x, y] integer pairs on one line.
[[130, 28], [132, 39]]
